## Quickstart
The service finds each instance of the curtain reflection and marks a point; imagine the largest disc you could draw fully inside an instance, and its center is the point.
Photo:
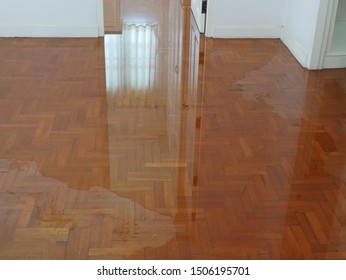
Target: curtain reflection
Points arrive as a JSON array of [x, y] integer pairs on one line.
[[131, 59]]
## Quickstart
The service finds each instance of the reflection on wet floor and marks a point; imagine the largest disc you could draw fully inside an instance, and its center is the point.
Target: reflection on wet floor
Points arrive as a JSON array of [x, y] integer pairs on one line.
[[55, 221], [151, 136], [131, 60], [160, 144]]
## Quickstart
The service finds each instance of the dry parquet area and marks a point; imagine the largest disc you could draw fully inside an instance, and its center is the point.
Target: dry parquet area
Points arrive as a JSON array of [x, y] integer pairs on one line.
[[233, 152]]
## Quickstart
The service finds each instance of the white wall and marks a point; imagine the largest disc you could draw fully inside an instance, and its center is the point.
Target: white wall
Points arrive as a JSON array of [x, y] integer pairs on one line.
[[245, 18], [50, 18], [300, 29]]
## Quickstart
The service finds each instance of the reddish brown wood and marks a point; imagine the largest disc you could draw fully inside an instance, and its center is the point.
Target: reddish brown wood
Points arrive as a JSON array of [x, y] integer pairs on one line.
[[253, 168]]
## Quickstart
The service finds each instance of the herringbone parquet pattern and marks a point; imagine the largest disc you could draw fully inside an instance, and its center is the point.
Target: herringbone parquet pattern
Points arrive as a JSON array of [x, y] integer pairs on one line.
[[44, 218], [244, 159], [273, 152]]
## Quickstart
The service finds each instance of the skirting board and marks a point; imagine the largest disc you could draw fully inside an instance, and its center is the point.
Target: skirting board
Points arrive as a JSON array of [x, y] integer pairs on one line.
[[335, 61], [49, 31], [295, 48], [246, 32]]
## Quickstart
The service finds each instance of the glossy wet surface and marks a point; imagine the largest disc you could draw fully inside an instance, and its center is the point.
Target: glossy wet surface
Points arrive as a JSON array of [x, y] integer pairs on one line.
[[158, 144]]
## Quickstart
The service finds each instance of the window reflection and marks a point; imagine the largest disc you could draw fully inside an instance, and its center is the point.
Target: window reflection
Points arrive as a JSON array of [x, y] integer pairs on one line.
[[131, 59]]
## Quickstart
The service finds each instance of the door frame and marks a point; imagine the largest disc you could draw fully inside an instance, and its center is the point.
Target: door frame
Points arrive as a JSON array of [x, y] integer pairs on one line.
[[196, 7], [209, 25], [100, 18], [324, 32]]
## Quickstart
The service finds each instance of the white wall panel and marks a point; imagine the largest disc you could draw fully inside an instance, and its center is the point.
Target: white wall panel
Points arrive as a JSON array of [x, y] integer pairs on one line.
[[49, 18], [245, 18]]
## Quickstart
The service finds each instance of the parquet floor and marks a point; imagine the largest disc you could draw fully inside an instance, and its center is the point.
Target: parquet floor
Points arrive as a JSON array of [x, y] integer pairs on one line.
[[232, 152]]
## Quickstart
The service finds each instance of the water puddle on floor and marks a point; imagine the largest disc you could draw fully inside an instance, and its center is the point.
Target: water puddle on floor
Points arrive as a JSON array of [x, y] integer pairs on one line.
[[40, 214]]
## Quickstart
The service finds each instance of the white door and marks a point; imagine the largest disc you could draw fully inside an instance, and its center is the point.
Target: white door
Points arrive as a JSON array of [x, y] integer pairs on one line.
[[196, 6]]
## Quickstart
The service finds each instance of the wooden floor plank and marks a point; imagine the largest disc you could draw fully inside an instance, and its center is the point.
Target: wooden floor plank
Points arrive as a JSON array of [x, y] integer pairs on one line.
[[236, 152]]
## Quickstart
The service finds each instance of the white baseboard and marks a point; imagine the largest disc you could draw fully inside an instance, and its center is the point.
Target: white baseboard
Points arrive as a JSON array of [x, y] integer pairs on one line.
[[295, 48], [246, 32], [87, 31], [335, 60]]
